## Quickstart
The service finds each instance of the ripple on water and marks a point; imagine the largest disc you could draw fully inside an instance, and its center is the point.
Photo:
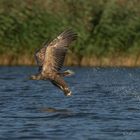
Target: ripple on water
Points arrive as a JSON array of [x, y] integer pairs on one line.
[[105, 105]]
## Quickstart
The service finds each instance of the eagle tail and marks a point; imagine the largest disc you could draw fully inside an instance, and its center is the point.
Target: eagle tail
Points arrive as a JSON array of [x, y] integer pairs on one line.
[[66, 73]]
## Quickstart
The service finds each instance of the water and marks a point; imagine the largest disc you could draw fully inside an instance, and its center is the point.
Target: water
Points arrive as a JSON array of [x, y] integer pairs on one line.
[[105, 105]]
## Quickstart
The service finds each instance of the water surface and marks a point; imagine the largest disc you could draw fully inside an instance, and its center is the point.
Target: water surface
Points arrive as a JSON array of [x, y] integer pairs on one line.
[[105, 105]]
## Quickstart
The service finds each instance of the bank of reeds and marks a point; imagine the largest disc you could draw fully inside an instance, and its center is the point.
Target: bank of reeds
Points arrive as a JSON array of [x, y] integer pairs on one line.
[[108, 30]]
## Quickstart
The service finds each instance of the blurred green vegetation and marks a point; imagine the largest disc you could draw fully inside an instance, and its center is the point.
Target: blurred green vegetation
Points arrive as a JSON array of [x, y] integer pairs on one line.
[[104, 27]]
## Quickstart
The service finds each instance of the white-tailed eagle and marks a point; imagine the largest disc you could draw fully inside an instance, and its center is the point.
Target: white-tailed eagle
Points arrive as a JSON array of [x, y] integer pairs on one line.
[[50, 59]]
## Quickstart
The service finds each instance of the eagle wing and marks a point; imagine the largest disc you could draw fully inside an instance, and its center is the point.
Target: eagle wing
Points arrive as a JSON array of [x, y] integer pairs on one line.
[[40, 55], [56, 51]]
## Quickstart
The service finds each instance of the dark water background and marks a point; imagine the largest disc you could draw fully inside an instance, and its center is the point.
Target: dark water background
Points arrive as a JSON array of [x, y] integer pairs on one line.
[[105, 105]]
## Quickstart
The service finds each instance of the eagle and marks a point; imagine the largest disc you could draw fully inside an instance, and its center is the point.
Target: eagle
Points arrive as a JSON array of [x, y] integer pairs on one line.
[[50, 59]]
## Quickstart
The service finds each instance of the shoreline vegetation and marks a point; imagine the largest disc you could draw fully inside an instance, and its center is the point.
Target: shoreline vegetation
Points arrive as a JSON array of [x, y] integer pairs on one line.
[[72, 60], [108, 30]]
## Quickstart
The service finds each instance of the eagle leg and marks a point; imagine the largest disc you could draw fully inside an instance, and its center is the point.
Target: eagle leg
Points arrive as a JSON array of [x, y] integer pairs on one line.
[[61, 84]]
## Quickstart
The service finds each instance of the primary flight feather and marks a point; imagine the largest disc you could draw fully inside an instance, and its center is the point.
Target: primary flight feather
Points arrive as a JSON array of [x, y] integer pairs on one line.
[[50, 59]]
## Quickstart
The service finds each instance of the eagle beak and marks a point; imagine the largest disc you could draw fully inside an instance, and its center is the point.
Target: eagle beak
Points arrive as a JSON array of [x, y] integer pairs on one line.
[[32, 77]]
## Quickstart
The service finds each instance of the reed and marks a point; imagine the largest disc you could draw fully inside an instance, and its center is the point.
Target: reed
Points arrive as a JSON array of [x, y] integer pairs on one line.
[[107, 30]]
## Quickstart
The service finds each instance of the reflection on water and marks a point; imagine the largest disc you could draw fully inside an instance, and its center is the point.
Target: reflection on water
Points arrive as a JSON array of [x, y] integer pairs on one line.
[[105, 105], [50, 109]]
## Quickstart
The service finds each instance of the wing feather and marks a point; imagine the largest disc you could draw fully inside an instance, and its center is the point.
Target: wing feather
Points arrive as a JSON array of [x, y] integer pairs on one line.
[[56, 51], [40, 55]]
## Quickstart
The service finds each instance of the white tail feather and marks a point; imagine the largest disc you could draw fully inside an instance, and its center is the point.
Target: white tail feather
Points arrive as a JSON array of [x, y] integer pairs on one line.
[[69, 72]]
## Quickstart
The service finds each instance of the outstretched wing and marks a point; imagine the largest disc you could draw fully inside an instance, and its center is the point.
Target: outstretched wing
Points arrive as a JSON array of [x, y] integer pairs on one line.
[[40, 55], [56, 51]]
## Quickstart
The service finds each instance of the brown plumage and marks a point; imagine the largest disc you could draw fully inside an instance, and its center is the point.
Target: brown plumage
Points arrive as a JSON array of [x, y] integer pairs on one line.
[[50, 59]]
